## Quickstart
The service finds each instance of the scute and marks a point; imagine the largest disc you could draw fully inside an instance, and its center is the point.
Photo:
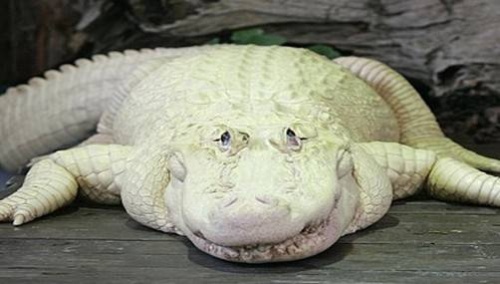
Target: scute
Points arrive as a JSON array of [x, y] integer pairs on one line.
[[251, 85]]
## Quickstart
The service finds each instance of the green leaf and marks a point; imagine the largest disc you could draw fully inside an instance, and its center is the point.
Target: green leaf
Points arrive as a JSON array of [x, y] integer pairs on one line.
[[325, 50], [267, 40], [256, 36]]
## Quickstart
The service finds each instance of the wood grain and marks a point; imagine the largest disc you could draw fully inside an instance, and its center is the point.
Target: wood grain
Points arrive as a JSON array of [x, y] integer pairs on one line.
[[417, 242]]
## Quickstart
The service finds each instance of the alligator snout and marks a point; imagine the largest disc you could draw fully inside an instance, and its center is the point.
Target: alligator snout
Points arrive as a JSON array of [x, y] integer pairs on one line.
[[259, 220]]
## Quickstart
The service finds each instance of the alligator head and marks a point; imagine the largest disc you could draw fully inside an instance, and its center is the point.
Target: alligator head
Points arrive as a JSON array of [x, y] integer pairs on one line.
[[275, 193]]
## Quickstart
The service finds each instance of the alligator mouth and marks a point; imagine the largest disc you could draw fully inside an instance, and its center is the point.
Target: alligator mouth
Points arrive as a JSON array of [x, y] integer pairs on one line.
[[313, 239]]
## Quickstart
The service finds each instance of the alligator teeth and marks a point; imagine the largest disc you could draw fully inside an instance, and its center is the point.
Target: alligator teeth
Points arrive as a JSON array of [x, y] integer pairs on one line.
[[199, 234], [263, 248], [292, 250], [309, 237], [280, 249], [230, 253], [299, 240], [245, 255]]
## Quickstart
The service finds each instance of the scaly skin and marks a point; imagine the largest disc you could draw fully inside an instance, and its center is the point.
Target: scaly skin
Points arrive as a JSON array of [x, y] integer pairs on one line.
[[256, 154], [63, 108], [406, 167]]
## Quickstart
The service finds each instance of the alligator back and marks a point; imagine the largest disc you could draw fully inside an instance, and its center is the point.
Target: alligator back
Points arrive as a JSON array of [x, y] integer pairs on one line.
[[249, 86]]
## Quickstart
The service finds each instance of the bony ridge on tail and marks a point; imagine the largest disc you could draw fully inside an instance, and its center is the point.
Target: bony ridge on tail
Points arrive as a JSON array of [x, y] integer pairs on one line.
[[256, 154]]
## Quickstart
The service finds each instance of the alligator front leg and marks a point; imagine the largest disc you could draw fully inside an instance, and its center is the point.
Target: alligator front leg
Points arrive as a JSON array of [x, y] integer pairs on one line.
[[418, 125], [53, 182], [144, 185], [444, 178]]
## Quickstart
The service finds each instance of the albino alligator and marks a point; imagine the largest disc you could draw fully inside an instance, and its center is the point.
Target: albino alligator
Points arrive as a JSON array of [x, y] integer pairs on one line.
[[256, 154]]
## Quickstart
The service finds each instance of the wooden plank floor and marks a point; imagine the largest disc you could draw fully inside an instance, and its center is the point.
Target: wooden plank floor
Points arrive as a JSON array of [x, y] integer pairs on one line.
[[417, 242]]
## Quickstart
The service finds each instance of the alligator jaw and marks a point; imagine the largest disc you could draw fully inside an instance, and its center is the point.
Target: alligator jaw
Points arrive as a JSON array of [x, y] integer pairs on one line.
[[313, 239]]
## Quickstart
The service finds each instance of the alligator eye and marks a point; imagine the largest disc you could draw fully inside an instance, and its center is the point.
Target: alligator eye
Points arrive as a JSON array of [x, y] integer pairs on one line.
[[225, 140], [292, 140]]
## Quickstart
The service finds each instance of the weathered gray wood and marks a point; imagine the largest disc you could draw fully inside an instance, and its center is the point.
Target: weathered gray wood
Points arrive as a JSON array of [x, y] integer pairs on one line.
[[425, 206], [451, 45], [84, 223], [35, 36], [130, 259], [417, 242], [430, 222]]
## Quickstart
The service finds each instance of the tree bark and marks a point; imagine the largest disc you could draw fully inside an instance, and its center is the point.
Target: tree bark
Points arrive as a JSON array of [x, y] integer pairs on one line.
[[449, 46]]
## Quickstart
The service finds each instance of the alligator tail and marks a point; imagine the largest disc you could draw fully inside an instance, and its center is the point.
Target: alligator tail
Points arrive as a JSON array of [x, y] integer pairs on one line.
[[417, 123], [64, 107]]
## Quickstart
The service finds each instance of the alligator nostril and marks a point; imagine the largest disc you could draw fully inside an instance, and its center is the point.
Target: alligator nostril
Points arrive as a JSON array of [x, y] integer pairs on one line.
[[266, 199], [230, 202], [199, 234]]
